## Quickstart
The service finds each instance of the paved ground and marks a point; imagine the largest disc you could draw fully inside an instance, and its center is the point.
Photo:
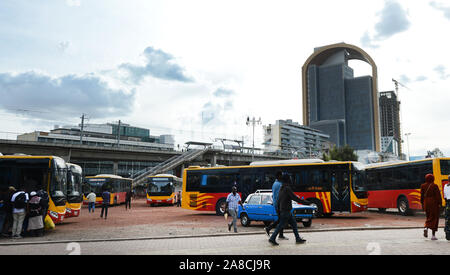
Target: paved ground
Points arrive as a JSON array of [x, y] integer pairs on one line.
[[173, 230], [360, 242]]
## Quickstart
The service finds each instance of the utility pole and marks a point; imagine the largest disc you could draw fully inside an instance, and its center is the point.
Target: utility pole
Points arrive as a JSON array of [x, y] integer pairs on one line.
[[407, 141], [118, 134], [253, 122], [82, 128]]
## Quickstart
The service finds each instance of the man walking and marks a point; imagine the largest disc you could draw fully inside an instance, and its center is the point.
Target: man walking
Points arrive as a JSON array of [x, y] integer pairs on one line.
[[285, 199], [232, 205], [447, 209], [91, 198], [275, 191]]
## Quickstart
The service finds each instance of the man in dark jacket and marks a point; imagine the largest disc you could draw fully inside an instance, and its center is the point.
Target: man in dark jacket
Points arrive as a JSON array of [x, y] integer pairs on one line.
[[285, 198]]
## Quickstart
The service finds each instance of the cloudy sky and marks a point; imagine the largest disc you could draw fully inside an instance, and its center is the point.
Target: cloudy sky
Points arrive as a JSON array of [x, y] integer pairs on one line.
[[197, 68]]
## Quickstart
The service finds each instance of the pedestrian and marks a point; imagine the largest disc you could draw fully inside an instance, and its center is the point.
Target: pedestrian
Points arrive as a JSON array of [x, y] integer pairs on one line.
[[431, 200], [179, 199], [285, 198], [44, 201], [275, 191], [128, 199], [20, 205], [447, 209], [106, 196], [8, 208], [91, 198], [35, 221], [3, 206], [232, 206]]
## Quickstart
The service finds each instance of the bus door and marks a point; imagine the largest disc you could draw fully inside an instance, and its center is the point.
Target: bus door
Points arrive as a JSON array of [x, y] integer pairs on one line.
[[340, 191]]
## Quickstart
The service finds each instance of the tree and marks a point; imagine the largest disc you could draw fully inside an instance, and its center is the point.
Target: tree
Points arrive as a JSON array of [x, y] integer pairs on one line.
[[345, 153]]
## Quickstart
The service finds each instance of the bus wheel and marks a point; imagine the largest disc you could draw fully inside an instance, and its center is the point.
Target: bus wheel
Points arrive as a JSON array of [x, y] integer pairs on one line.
[[220, 207], [245, 221], [403, 206], [317, 203]]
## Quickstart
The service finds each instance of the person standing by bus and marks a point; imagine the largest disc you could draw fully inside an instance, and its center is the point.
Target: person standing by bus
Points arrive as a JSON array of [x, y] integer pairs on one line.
[[179, 199], [430, 197], [275, 191], [20, 205], [447, 209], [106, 196], [232, 205]]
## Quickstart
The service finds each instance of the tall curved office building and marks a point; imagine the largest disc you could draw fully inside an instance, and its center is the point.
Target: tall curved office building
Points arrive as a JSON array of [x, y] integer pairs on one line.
[[339, 104]]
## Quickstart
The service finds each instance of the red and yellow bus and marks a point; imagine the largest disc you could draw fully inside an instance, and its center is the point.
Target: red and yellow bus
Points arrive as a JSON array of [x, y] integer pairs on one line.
[[397, 184], [331, 186], [162, 188], [74, 193], [116, 185], [34, 173]]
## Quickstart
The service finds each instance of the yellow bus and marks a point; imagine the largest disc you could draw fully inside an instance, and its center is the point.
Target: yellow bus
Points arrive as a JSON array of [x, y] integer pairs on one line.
[[34, 173], [331, 186], [74, 194], [162, 188], [116, 185], [397, 184]]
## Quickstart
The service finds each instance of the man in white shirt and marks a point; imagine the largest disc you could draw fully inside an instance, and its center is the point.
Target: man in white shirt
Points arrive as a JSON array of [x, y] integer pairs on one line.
[[447, 191], [91, 201], [19, 201]]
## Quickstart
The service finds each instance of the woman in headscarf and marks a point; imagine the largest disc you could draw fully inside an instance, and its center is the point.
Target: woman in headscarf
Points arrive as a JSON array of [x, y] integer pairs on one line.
[[431, 200]]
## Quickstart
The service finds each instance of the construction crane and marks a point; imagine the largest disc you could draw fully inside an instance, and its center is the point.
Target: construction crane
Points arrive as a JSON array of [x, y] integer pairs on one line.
[[396, 83]]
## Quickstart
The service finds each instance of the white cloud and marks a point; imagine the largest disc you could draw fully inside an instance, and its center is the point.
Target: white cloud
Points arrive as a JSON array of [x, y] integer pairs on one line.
[[392, 19], [73, 3]]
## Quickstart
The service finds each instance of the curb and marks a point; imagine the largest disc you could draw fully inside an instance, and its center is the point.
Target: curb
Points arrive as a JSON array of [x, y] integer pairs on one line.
[[13, 243]]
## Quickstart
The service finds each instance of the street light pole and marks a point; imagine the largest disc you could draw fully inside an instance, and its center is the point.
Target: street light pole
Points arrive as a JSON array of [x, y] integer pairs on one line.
[[253, 122], [407, 142]]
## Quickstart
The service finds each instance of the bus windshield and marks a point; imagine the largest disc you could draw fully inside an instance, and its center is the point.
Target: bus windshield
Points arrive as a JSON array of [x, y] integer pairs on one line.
[[74, 182], [160, 186], [58, 186], [96, 186]]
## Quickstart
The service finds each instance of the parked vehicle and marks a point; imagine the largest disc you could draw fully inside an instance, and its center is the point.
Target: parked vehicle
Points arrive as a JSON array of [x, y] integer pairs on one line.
[[259, 207]]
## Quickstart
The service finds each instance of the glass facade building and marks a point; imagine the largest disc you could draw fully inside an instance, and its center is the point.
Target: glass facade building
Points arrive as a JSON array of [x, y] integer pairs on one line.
[[339, 104]]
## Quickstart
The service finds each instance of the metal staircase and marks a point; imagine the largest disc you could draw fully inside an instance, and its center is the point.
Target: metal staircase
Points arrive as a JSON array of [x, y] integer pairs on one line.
[[168, 164]]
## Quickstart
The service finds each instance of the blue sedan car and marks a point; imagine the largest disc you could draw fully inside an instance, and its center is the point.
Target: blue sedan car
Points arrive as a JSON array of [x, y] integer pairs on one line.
[[259, 207]]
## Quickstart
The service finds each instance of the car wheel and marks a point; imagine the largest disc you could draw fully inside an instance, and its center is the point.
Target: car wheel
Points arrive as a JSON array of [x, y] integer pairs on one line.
[[245, 221], [307, 223], [220, 207]]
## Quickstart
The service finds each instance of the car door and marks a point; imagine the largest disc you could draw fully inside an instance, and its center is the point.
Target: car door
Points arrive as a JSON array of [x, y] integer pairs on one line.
[[252, 207], [266, 208]]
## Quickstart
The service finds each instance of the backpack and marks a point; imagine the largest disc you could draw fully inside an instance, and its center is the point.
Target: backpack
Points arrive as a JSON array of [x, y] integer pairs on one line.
[[20, 201], [35, 208]]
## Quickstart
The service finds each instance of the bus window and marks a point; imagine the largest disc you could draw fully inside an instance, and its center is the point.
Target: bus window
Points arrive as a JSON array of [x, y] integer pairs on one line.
[[445, 166]]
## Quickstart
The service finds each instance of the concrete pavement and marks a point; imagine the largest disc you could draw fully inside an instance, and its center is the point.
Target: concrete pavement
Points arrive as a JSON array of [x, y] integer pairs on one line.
[[332, 242]]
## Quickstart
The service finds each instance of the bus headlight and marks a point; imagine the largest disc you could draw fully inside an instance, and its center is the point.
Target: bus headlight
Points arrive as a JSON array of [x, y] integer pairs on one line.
[[357, 204]]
